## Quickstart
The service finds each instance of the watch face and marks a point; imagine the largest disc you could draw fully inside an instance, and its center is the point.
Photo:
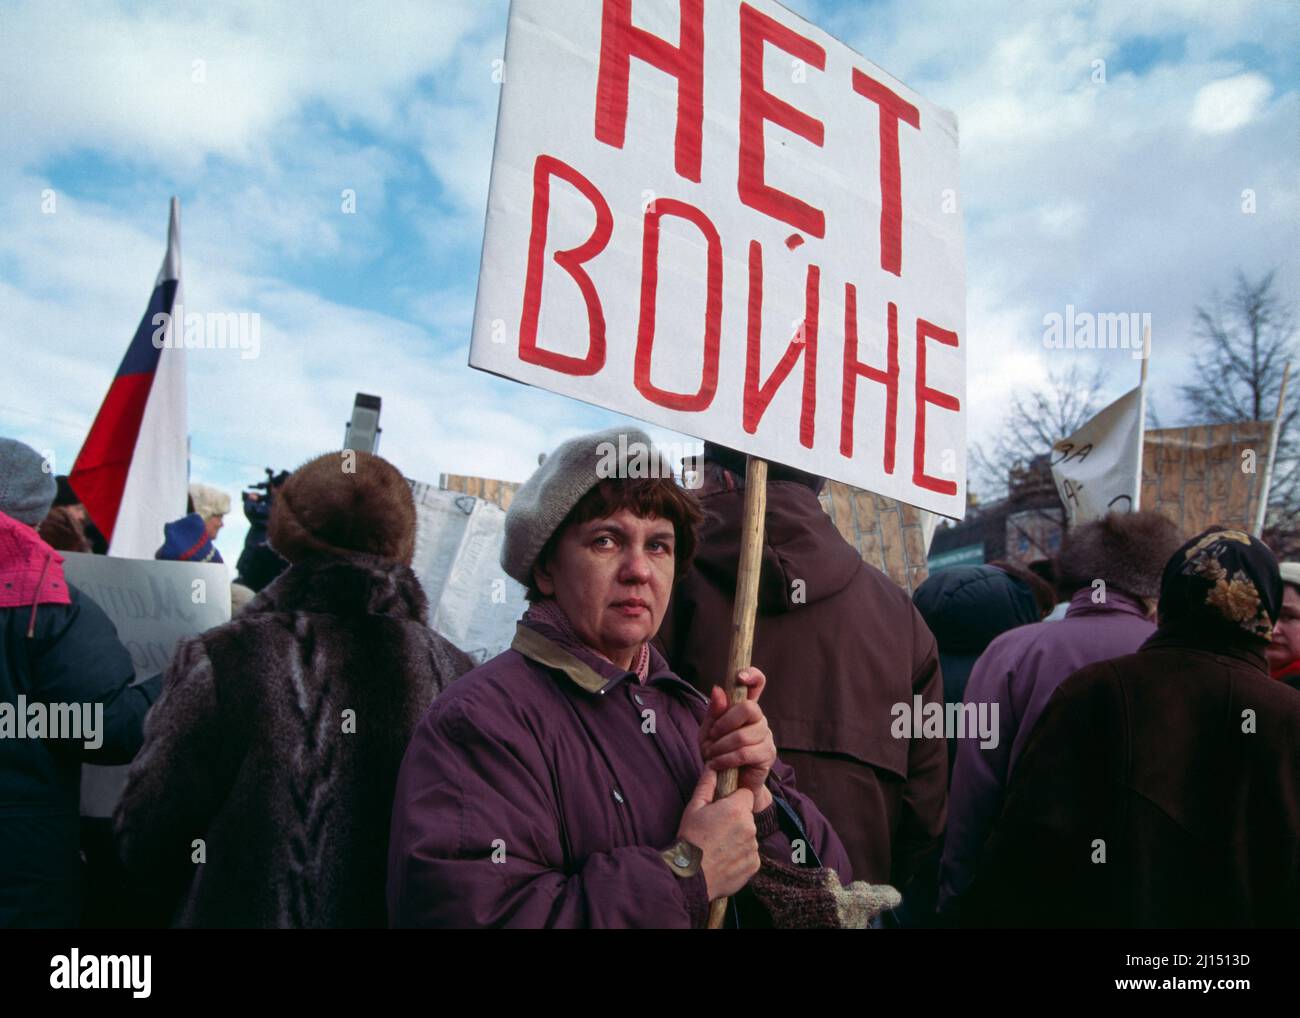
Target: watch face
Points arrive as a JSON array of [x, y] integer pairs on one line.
[[684, 858]]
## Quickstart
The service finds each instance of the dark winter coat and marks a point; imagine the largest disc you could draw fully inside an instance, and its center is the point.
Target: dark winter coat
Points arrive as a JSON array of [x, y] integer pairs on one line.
[[73, 656], [1019, 673], [541, 789], [276, 743], [1181, 763], [840, 644]]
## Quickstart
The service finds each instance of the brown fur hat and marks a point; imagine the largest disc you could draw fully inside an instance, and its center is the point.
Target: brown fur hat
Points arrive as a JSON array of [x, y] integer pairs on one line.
[[342, 503], [1127, 550]]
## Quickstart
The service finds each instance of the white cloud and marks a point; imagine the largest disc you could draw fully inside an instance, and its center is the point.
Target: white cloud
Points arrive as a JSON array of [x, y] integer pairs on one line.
[[180, 84], [1224, 106], [1063, 219]]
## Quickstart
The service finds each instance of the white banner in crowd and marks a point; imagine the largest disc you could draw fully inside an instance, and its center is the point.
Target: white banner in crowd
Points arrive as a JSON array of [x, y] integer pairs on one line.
[[472, 602], [1096, 468], [717, 218], [153, 605]]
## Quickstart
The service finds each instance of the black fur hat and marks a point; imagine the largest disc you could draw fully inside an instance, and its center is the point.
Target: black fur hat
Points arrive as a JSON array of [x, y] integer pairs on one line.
[[1127, 550]]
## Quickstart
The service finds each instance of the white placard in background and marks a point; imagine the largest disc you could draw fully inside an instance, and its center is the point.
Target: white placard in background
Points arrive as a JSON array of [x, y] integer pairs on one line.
[[153, 604]]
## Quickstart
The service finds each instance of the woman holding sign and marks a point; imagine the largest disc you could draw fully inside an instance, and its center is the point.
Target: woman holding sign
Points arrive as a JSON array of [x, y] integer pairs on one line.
[[569, 781]]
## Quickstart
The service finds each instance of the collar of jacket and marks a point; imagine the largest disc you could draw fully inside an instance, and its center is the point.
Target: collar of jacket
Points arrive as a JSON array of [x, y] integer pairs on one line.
[[1117, 603], [355, 584], [1245, 649], [588, 671]]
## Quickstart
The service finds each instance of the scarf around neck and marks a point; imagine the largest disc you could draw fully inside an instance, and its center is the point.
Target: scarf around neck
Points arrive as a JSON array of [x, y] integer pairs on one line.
[[1288, 673], [549, 613]]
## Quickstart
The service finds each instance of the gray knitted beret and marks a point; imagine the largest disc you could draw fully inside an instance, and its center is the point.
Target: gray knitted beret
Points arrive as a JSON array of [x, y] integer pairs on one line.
[[27, 486], [540, 507]]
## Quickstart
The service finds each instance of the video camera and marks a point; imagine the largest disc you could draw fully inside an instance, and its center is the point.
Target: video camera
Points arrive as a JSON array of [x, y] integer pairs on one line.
[[258, 563]]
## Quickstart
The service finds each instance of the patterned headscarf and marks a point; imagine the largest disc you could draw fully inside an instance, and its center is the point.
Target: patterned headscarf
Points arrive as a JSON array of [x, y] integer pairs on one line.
[[1224, 582]]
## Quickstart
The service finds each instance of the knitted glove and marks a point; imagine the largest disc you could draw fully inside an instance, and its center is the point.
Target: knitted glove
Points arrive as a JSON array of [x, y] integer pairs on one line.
[[805, 898]]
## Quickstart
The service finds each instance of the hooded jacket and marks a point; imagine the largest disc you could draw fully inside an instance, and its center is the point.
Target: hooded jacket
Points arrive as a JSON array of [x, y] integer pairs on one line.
[[543, 789], [265, 784], [841, 645], [967, 608], [56, 647]]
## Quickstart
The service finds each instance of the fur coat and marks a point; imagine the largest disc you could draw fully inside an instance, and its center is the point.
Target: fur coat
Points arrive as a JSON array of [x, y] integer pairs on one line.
[[265, 784]]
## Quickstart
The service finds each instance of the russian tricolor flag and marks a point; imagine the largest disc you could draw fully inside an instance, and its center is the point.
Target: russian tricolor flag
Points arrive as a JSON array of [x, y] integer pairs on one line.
[[132, 473]]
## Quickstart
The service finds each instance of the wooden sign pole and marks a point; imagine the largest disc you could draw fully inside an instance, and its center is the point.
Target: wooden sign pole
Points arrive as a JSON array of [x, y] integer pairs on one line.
[[742, 620]]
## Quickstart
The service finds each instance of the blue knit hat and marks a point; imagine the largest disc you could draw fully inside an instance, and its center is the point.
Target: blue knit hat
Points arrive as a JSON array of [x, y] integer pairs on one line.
[[187, 541], [27, 486]]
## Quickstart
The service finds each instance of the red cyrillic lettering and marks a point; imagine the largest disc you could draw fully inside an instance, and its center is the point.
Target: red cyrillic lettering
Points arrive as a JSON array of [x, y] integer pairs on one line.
[[892, 110], [759, 395], [620, 40], [854, 367], [758, 105], [570, 261], [924, 395], [645, 336]]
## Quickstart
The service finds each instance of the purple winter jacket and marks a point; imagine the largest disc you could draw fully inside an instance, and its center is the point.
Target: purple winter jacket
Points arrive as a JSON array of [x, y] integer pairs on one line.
[[1019, 672], [541, 788]]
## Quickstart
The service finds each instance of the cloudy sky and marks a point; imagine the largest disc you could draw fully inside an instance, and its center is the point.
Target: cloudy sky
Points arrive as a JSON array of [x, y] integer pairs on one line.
[[1114, 186]]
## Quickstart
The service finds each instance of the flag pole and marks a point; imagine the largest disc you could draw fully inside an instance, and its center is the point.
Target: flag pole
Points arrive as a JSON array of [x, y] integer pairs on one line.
[[742, 621], [1261, 510], [1142, 416]]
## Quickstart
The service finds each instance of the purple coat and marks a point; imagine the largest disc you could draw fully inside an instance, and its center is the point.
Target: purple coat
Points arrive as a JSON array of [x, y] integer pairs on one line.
[[540, 789], [1019, 672]]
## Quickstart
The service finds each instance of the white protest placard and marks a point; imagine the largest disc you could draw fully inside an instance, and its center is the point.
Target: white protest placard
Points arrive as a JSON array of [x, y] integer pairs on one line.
[[1096, 468], [472, 602], [153, 604], [717, 218]]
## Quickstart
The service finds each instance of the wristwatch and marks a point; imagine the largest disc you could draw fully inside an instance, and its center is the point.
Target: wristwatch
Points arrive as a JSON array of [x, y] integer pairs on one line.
[[683, 858]]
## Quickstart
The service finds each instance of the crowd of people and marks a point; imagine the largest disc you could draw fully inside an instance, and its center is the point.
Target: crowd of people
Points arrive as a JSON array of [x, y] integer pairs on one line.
[[326, 759]]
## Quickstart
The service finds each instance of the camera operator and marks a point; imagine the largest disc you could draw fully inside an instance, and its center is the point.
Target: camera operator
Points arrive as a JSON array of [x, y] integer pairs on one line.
[[258, 563]]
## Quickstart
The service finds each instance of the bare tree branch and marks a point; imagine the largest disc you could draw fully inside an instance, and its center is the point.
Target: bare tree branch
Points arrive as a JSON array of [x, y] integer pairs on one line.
[[1246, 342], [1035, 422]]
